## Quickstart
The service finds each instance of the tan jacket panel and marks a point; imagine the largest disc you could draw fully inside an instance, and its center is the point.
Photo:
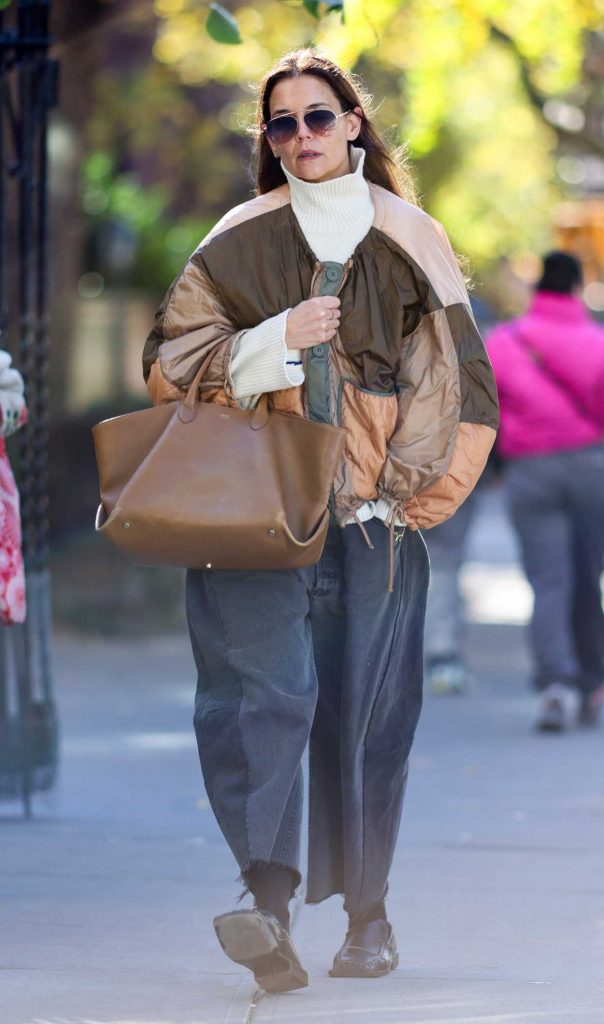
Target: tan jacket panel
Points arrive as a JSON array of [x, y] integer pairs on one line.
[[421, 446], [247, 211], [192, 320], [442, 499], [369, 421], [425, 240], [160, 389], [195, 323], [288, 400], [434, 460]]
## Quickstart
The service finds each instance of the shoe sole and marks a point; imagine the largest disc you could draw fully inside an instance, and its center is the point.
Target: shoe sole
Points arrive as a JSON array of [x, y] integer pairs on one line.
[[551, 726], [442, 689], [257, 941], [350, 971], [552, 720]]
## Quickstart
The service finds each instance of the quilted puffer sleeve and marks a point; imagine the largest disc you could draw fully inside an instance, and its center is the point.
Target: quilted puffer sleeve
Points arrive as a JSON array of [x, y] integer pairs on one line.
[[190, 324], [448, 410]]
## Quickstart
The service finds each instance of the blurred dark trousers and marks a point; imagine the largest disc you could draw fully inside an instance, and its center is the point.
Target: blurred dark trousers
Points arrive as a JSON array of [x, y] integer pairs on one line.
[[557, 507], [444, 614], [326, 654]]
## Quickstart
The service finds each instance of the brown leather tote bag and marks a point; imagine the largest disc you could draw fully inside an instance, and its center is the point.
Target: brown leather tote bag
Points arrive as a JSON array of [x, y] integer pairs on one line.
[[199, 485]]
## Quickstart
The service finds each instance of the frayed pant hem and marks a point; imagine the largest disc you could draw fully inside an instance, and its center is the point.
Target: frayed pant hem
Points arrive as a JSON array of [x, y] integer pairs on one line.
[[267, 865], [314, 902]]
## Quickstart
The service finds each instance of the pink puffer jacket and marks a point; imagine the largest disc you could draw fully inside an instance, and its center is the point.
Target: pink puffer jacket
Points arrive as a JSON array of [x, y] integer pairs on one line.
[[549, 368]]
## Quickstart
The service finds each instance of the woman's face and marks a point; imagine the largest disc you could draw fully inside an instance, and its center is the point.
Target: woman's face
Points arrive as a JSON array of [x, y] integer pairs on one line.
[[313, 157]]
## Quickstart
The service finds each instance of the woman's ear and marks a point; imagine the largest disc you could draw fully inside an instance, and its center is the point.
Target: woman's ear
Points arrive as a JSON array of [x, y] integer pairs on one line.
[[354, 124]]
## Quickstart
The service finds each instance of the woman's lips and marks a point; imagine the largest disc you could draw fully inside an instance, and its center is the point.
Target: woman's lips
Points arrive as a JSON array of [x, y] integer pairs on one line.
[[309, 155]]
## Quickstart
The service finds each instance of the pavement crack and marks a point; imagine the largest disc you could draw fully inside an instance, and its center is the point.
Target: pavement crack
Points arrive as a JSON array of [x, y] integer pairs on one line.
[[259, 994], [257, 998]]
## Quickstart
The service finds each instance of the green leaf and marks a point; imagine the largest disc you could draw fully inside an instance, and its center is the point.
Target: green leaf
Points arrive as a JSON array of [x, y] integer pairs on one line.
[[4, 4], [221, 26], [312, 6], [318, 8]]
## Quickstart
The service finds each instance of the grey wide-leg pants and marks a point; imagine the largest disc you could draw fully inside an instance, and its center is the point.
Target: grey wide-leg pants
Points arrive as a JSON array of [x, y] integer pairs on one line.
[[324, 654], [444, 613], [557, 507]]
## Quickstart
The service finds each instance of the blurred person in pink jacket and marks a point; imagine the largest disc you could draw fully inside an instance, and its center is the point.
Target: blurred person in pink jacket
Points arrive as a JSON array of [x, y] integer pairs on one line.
[[549, 368], [13, 414]]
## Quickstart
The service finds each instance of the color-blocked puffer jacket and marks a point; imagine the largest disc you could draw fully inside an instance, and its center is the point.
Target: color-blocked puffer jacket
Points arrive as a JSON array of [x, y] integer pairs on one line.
[[409, 377]]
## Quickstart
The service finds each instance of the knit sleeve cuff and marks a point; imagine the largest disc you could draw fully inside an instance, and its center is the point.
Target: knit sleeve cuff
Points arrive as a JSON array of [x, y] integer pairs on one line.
[[261, 361]]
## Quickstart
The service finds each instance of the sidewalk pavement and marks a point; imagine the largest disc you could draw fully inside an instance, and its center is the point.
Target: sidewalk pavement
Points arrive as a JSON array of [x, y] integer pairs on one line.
[[497, 891]]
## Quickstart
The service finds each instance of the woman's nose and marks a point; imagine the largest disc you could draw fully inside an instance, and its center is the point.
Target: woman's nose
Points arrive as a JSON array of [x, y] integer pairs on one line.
[[303, 131]]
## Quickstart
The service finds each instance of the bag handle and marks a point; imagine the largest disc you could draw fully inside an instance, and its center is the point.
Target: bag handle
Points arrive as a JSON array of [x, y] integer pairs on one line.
[[191, 399], [260, 415]]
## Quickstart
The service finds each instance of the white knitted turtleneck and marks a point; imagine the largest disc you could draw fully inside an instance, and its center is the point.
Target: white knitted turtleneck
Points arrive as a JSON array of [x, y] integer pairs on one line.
[[334, 215]]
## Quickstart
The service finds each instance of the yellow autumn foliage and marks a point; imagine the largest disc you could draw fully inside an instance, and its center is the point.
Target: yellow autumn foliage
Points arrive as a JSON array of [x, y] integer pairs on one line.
[[446, 75]]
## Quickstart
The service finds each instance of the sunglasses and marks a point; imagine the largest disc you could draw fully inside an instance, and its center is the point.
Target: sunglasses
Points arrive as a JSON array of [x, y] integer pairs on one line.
[[283, 128]]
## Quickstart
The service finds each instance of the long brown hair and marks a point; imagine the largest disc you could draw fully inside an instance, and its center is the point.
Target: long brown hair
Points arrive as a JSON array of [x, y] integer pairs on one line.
[[385, 167]]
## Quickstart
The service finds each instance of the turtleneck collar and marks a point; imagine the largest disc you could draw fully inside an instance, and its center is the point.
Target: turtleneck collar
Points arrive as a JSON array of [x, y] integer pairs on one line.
[[320, 193], [335, 214]]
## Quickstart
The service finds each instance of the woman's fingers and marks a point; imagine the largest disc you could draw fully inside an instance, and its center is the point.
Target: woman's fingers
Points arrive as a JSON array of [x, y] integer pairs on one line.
[[313, 322]]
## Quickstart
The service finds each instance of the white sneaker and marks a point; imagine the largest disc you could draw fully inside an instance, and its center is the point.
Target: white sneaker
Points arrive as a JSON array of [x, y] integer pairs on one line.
[[447, 677], [557, 708]]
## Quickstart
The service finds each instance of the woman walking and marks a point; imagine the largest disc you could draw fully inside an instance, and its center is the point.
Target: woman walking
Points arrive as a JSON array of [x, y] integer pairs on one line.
[[345, 303], [549, 366]]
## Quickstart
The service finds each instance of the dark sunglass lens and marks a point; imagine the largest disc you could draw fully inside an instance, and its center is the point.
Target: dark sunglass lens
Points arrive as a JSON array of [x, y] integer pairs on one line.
[[320, 121], [281, 129]]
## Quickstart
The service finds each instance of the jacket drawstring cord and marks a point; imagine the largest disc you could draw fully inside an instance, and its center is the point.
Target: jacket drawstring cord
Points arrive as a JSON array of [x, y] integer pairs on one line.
[[359, 523], [391, 523], [397, 511], [391, 557]]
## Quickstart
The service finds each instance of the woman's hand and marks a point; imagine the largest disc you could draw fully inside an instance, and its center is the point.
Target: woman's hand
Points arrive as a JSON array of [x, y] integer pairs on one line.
[[312, 322]]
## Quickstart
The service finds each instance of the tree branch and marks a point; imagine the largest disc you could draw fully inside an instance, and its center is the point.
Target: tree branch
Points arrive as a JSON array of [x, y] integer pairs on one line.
[[539, 99]]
